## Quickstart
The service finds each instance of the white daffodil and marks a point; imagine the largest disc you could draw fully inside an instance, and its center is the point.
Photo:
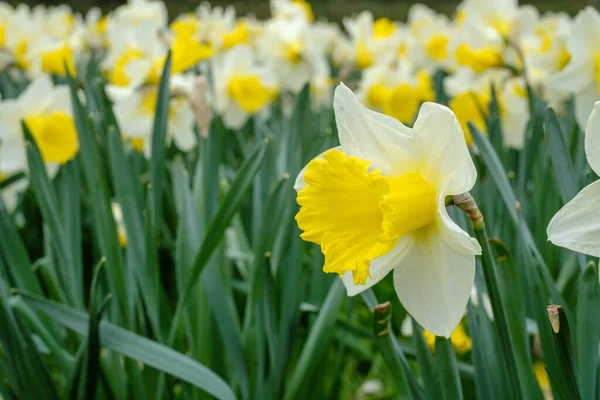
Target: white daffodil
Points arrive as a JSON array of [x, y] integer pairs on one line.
[[94, 29], [373, 41], [137, 12], [292, 10], [19, 33], [138, 55], [135, 113], [581, 76], [577, 226], [432, 48], [46, 110], [242, 86], [544, 47], [395, 89], [291, 50], [471, 96], [478, 46], [376, 204]]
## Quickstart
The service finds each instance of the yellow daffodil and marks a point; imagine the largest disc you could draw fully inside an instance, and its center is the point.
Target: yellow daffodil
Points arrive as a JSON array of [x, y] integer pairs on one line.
[[376, 204]]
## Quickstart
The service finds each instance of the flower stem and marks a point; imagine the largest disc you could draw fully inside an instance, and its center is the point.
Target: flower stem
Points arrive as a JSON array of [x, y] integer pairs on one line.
[[466, 203]]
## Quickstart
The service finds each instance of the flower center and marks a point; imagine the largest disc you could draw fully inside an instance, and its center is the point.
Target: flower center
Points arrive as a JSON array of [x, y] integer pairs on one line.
[[480, 59], [119, 76], [383, 28], [238, 35], [470, 107], [249, 92], [363, 56], [293, 52], [55, 136], [437, 47], [54, 61], [357, 215]]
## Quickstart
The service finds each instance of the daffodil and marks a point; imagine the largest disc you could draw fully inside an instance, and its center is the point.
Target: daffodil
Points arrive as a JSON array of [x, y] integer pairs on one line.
[[292, 10], [377, 204], [396, 89], [242, 87], [135, 112], [581, 76], [461, 342], [471, 97], [373, 40], [46, 110], [576, 226], [138, 12], [478, 47], [288, 47]]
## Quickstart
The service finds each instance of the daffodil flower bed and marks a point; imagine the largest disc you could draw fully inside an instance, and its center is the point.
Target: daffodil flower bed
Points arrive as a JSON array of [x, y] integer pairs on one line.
[[210, 205]]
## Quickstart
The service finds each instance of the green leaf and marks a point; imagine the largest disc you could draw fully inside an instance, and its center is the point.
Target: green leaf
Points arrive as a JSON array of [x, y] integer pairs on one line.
[[560, 157], [137, 347], [563, 344], [317, 339], [408, 386], [446, 362], [429, 373], [48, 202], [219, 224], [588, 330], [490, 273]]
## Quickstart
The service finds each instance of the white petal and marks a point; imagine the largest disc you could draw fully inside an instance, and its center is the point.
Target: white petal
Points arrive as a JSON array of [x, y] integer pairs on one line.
[[592, 139], [577, 225], [584, 104], [433, 283], [38, 95], [454, 235], [61, 100], [380, 267], [372, 136], [448, 164], [584, 34], [576, 76]]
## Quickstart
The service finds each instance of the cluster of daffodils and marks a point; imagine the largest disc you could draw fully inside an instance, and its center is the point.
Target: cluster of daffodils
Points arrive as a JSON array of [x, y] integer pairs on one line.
[[377, 202]]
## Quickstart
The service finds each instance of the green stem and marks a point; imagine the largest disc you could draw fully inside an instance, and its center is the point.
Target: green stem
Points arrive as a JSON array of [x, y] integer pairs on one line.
[[466, 202]]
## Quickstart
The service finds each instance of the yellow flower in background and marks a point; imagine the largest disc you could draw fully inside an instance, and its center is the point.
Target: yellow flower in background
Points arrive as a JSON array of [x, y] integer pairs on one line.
[[55, 136], [541, 375], [376, 204], [239, 35], [461, 342], [470, 107], [478, 59], [249, 92], [46, 111], [437, 47], [54, 61], [383, 28]]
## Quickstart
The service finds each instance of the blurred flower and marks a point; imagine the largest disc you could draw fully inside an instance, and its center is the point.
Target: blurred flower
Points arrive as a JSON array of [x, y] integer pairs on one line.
[[118, 216], [135, 112], [46, 110], [539, 369], [581, 76], [376, 204], [373, 41], [461, 342], [242, 87], [576, 226]]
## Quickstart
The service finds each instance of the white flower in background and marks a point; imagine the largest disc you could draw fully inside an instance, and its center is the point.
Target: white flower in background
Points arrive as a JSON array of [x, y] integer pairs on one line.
[[241, 86], [292, 51], [503, 16], [471, 96], [581, 76], [376, 204], [135, 114], [577, 226], [292, 10], [478, 47], [94, 29], [432, 48], [140, 54], [137, 12], [19, 32], [321, 88], [46, 110], [395, 89], [117, 212], [544, 47], [373, 41]]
